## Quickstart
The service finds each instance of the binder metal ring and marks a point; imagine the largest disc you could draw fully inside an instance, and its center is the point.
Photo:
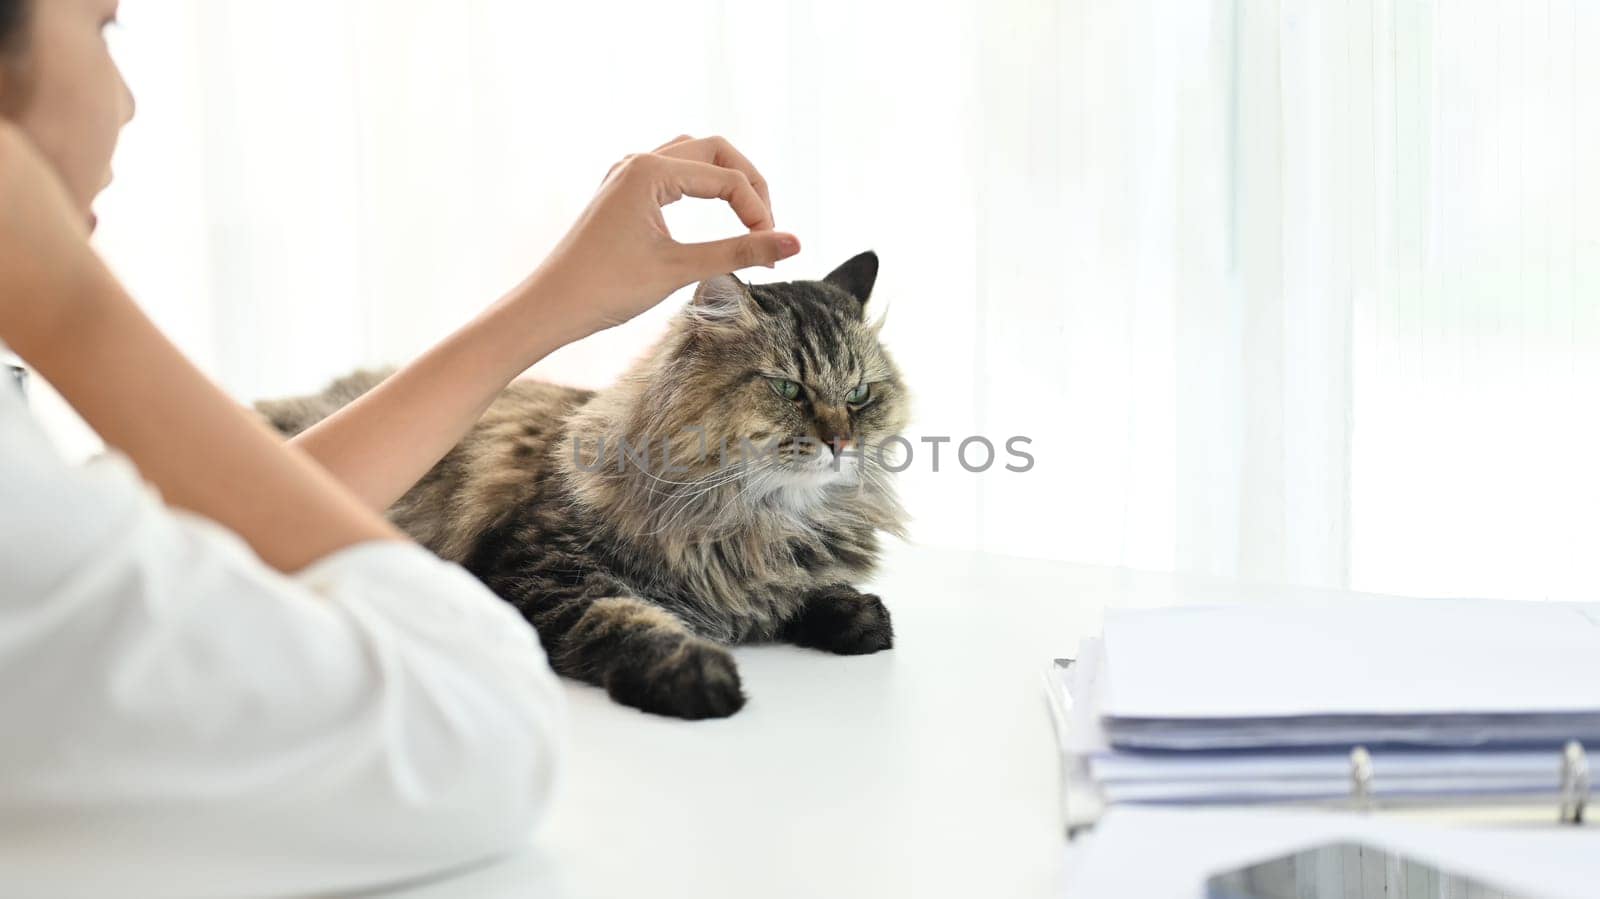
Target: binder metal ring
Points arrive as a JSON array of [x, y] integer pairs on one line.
[[1574, 783], [1361, 778]]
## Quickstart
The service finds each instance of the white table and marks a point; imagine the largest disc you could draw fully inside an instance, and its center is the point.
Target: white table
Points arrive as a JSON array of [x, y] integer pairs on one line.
[[928, 770]]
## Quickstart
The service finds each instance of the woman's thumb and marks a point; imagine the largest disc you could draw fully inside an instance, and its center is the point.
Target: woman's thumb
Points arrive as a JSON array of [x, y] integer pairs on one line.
[[718, 257]]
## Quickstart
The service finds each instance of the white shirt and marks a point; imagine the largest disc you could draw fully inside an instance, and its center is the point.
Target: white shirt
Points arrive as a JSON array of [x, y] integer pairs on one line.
[[177, 718]]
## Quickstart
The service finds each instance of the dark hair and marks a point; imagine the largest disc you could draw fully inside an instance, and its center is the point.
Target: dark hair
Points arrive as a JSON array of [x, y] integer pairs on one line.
[[13, 19], [14, 16]]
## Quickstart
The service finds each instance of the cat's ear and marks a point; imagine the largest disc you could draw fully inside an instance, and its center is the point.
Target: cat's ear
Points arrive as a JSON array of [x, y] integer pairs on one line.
[[857, 276], [722, 300]]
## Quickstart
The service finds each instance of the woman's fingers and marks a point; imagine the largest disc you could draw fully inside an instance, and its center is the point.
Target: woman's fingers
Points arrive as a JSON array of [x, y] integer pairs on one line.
[[674, 142], [718, 257], [619, 163], [717, 151], [676, 178]]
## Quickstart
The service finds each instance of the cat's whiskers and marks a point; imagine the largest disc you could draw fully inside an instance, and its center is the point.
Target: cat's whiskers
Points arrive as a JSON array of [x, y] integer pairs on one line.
[[693, 488], [683, 501], [669, 481], [680, 511], [763, 477]]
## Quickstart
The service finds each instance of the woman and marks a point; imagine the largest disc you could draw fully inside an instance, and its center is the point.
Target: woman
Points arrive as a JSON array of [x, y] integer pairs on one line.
[[221, 670]]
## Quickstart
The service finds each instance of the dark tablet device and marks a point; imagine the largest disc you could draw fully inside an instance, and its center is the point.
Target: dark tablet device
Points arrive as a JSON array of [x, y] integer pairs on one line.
[[1349, 871]]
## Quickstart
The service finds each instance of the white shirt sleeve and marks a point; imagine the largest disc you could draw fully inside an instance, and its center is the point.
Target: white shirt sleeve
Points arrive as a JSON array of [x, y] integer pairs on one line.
[[177, 718]]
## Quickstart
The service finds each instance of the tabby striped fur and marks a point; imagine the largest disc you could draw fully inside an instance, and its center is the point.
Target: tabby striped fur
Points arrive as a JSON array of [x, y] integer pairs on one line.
[[636, 575]]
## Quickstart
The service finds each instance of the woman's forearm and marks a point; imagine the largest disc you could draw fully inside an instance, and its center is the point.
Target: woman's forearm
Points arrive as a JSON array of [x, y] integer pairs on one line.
[[384, 442], [64, 313], [200, 449], [618, 260]]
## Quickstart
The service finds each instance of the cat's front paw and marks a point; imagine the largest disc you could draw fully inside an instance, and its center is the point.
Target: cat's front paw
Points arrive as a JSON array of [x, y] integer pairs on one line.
[[696, 680], [844, 622]]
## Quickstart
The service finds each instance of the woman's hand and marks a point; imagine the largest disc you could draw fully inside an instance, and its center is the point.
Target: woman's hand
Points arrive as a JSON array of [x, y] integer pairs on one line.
[[620, 259], [48, 273]]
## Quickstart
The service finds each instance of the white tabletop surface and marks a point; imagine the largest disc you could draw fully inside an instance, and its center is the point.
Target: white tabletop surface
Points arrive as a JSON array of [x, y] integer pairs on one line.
[[927, 770]]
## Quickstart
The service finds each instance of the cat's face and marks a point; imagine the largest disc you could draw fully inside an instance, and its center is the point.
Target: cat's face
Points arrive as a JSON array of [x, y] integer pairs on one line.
[[791, 378]]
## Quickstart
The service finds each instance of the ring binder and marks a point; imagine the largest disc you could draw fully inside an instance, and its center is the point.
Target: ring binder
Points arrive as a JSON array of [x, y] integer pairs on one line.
[[1574, 783], [1565, 786]]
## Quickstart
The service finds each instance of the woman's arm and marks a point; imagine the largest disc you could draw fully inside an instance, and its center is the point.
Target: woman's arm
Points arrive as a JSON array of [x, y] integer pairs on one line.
[[380, 716], [200, 449], [63, 311], [617, 261], [382, 443]]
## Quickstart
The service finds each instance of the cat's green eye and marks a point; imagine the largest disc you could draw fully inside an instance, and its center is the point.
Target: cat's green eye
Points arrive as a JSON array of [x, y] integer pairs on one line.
[[859, 395], [789, 390]]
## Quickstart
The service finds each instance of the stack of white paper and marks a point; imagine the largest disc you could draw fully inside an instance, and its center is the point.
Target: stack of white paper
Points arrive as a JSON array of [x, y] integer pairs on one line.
[[1457, 699]]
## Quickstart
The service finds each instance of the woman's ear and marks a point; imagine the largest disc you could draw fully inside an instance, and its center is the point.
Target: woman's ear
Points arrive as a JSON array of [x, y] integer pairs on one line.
[[857, 276]]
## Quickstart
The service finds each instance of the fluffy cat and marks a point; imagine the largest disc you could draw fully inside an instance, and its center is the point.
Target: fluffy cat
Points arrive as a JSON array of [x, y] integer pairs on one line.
[[742, 524]]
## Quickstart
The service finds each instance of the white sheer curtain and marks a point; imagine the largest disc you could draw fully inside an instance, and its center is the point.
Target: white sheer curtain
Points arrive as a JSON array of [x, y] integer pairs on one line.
[[1290, 291], [1477, 362]]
